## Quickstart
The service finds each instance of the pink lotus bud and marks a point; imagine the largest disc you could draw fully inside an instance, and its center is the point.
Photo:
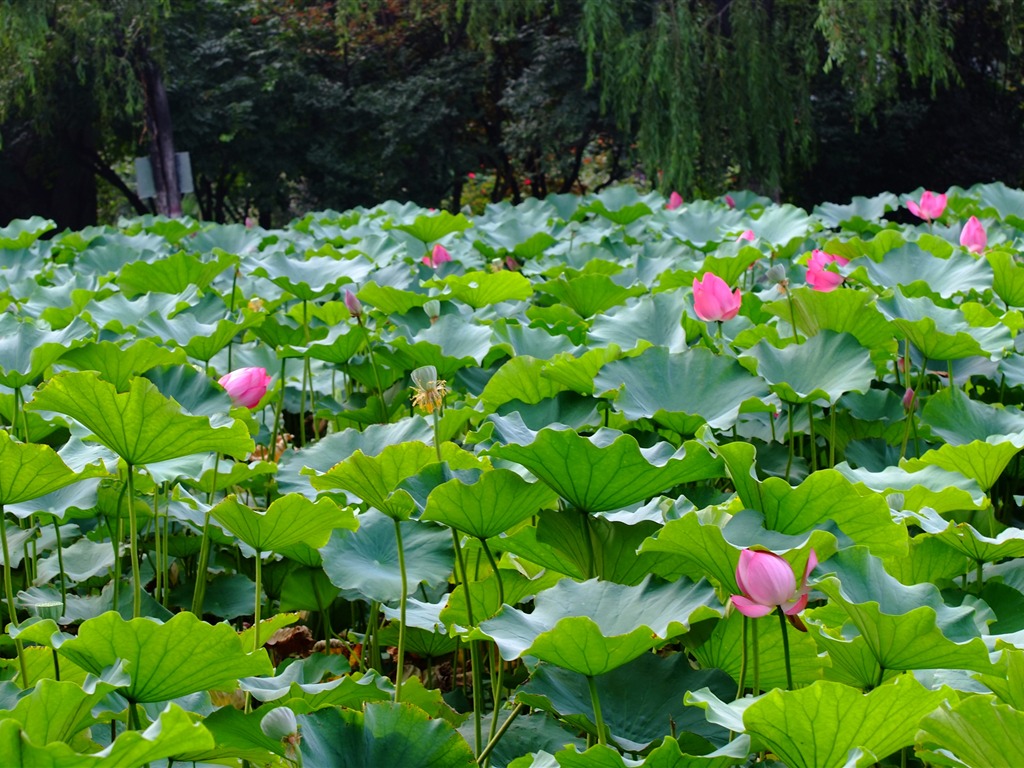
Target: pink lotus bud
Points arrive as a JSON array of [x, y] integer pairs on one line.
[[471, 175], [712, 299], [674, 201], [246, 386], [819, 277], [930, 207], [973, 236], [908, 400], [729, 201], [437, 257], [352, 305], [747, 234], [767, 581]]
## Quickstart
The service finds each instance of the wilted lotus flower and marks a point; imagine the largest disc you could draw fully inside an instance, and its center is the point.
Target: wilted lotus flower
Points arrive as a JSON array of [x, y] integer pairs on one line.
[[973, 236], [930, 207], [246, 386], [281, 725], [437, 257], [819, 277], [429, 390], [766, 581], [712, 299], [674, 201], [433, 309]]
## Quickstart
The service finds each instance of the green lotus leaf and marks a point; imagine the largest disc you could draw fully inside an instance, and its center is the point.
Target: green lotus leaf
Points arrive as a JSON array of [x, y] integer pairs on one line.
[[376, 480], [824, 367], [324, 454], [928, 560], [977, 731], [478, 289], [295, 682], [851, 660], [141, 425], [652, 320], [670, 754], [702, 223], [958, 419], [513, 235], [314, 277], [606, 471], [905, 627], [635, 714], [164, 660], [781, 224], [577, 373], [173, 733], [27, 351], [118, 364], [1008, 277], [980, 461], [915, 269], [236, 735], [927, 487], [622, 215], [966, 539], [496, 502], [21, 233], [829, 724], [364, 564], [525, 544], [851, 312], [384, 733], [1008, 682], [681, 390], [28, 471], [390, 300], [174, 273], [942, 334], [79, 562], [432, 227], [200, 340], [589, 295], [859, 210], [486, 595], [596, 626], [289, 520], [456, 336], [56, 711], [519, 378]]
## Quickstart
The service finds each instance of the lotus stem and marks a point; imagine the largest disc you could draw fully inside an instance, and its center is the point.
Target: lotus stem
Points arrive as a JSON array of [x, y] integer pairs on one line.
[[595, 702], [789, 459], [497, 680], [785, 649], [231, 309], [60, 562], [980, 574], [589, 539], [744, 637], [482, 757], [757, 661], [832, 439], [9, 592], [401, 614], [371, 645], [199, 593], [277, 417], [259, 600], [792, 315], [813, 438], [436, 417], [133, 542], [474, 650]]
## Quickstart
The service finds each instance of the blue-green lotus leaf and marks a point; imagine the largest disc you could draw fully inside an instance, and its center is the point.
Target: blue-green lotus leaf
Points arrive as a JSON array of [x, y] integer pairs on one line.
[[703, 223], [979, 460], [117, 363], [958, 419], [929, 486], [497, 501], [596, 626], [21, 233], [915, 269], [859, 209], [289, 520], [976, 731], [654, 320], [824, 367], [942, 334], [851, 312], [28, 471], [27, 351], [173, 274], [314, 277], [432, 227]]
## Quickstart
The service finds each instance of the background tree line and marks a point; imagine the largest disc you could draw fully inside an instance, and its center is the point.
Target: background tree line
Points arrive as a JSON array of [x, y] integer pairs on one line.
[[292, 105]]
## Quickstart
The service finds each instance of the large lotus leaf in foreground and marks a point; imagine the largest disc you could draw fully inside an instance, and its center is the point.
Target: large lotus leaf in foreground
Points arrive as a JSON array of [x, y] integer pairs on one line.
[[595, 626], [606, 471], [164, 660], [830, 724], [141, 425]]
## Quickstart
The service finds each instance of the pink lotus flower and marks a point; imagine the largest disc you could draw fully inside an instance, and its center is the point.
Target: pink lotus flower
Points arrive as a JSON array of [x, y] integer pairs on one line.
[[747, 234], [819, 277], [437, 257], [973, 236], [712, 299], [352, 305], [674, 201], [766, 581], [908, 400], [930, 207], [246, 386]]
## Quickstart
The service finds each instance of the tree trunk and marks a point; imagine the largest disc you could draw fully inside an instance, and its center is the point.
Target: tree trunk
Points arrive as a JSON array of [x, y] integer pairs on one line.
[[161, 139]]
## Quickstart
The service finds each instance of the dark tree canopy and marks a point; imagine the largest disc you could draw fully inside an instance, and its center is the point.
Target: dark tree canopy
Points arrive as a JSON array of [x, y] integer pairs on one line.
[[289, 105]]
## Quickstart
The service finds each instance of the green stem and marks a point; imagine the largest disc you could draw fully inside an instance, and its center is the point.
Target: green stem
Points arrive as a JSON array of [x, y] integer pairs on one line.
[[9, 592], [373, 630], [259, 601], [199, 593], [133, 533], [231, 310], [373, 365], [595, 702], [789, 460], [814, 439], [436, 416], [785, 649], [980, 575], [744, 637], [589, 540], [792, 315], [482, 757], [60, 563], [474, 650], [498, 679], [832, 438], [757, 660], [401, 613], [277, 417]]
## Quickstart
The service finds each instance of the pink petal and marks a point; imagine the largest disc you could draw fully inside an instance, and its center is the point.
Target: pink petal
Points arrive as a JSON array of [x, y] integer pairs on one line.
[[796, 606], [749, 608]]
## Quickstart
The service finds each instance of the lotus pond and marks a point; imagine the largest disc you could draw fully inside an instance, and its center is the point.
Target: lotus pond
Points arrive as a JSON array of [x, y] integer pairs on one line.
[[491, 506]]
